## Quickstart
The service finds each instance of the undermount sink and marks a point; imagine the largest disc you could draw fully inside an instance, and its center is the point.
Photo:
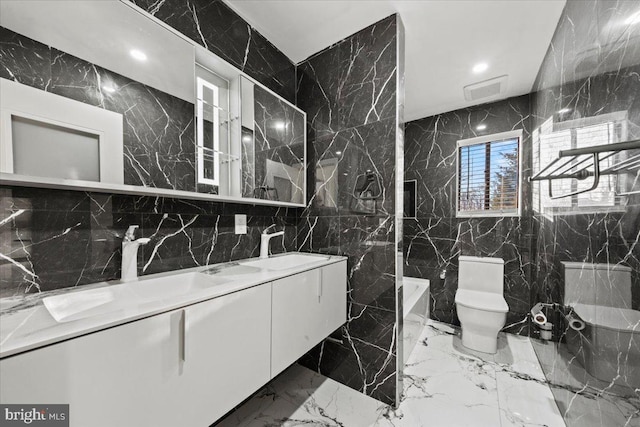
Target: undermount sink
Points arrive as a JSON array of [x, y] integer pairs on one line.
[[94, 302], [77, 305], [232, 270], [174, 285], [285, 262]]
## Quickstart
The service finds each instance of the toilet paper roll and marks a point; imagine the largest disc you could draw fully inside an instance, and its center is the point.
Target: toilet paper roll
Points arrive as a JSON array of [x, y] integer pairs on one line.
[[539, 318], [546, 331], [575, 323], [538, 315]]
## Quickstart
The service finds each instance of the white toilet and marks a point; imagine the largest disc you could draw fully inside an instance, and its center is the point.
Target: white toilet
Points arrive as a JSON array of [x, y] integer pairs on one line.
[[609, 346], [481, 307]]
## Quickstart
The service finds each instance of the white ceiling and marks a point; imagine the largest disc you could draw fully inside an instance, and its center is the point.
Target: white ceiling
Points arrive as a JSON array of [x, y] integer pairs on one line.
[[444, 40]]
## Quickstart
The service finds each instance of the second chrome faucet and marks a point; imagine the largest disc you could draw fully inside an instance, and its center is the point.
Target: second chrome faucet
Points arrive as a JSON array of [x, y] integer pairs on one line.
[[264, 241]]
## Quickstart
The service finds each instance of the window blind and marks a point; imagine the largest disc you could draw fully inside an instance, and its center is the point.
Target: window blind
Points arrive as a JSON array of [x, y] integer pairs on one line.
[[488, 177]]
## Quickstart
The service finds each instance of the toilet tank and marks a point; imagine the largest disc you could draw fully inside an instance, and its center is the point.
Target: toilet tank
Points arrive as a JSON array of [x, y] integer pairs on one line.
[[481, 274], [606, 285]]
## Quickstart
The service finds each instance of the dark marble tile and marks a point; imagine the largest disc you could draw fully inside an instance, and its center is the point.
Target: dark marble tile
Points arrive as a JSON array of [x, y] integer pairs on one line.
[[349, 93], [320, 234], [52, 249], [185, 240], [365, 359], [270, 66], [343, 158], [150, 204], [215, 26], [24, 60], [352, 83], [369, 243], [430, 243]]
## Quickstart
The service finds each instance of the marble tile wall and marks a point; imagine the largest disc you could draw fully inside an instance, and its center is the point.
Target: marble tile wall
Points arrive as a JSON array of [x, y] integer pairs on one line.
[[348, 135], [212, 24], [591, 69], [52, 239], [435, 238]]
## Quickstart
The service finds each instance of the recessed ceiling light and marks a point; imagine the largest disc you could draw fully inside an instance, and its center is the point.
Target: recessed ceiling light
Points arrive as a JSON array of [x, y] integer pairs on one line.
[[246, 138], [481, 127], [338, 153], [109, 88], [480, 67], [633, 19], [564, 110], [280, 125], [137, 54]]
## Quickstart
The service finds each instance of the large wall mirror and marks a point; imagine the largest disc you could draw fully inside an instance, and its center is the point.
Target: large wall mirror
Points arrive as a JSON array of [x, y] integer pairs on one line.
[[101, 96]]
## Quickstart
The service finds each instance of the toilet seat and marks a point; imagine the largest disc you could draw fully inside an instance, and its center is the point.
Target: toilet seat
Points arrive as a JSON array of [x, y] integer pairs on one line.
[[486, 301], [613, 318]]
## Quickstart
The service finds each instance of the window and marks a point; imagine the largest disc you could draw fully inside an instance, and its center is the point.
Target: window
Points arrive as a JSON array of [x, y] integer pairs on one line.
[[489, 175]]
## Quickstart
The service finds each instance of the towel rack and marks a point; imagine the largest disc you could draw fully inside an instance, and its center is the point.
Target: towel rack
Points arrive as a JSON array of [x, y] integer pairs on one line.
[[577, 162]]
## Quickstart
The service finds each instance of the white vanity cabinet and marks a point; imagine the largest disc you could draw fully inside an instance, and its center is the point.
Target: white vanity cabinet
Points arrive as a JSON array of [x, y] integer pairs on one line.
[[184, 367], [187, 367], [306, 308]]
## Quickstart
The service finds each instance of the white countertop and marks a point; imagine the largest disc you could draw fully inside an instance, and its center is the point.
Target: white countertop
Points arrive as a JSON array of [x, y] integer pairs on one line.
[[26, 324]]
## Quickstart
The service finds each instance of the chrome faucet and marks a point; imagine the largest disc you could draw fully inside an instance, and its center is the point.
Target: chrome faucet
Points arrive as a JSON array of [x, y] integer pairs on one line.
[[130, 247], [264, 241]]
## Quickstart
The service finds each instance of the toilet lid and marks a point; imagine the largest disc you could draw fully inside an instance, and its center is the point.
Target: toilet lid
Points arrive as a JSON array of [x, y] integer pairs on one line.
[[487, 301]]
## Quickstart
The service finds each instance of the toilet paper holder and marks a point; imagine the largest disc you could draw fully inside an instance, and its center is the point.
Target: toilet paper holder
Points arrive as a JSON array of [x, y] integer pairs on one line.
[[572, 318], [537, 313]]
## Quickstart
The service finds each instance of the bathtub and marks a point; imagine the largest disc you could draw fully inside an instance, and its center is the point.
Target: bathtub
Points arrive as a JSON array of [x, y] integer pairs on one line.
[[415, 311], [609, 345]]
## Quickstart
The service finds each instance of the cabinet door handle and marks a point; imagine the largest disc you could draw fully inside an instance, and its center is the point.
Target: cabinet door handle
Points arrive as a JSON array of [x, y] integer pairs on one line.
[[183, 336], [319, 284]]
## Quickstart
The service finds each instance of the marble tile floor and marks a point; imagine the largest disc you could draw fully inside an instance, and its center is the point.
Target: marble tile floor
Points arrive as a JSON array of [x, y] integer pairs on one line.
[[445, 385], [584, 400]]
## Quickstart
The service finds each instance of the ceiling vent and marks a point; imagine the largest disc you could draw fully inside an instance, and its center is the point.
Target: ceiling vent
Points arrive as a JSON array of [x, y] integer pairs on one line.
[[486, 89]]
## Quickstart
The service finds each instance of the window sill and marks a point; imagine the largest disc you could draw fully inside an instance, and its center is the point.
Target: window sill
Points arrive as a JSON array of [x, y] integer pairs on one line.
[[487, 214]]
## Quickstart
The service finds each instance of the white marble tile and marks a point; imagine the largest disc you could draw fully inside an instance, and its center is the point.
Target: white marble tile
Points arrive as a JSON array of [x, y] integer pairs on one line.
[[440, 410], [590, 410], [526, 401], [583, 400], [445, 384], [302, 397]]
